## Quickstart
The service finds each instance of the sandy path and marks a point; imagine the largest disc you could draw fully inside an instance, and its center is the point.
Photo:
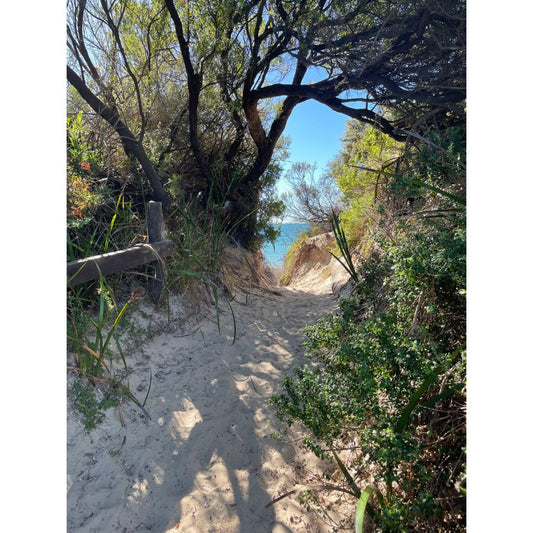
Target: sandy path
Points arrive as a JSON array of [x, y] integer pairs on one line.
[[206, 460]]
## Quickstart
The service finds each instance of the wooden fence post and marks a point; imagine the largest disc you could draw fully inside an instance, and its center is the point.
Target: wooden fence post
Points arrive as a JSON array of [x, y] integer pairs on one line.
[[156, 233], [158, 247]]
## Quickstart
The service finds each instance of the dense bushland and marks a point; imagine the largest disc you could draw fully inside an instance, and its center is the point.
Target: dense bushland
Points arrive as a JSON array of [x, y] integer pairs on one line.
[[189, 100], [384, 394]]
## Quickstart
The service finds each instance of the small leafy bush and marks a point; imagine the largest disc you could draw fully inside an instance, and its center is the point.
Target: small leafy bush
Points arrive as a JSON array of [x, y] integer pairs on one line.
[[92, 409]]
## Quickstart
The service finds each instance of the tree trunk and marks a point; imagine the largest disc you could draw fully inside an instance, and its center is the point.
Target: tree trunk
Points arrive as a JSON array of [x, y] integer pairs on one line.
[[243, 217]]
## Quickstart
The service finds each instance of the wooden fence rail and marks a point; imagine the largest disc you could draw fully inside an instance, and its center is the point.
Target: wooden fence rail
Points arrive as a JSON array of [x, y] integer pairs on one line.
[[157, 248]]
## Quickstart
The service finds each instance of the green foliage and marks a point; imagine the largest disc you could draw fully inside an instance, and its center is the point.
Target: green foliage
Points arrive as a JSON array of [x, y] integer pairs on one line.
[[91, 338], [365, 155], [389, 367], [99, 220], [306, 498], [361, 173], [80, 156], [436, 166], [92, 410], [82, 162]]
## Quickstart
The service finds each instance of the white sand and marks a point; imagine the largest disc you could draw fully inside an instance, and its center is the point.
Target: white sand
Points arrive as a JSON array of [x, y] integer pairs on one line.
[[206, 460]]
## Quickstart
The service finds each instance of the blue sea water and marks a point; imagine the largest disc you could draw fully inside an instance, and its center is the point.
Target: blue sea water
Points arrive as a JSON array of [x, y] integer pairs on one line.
[[274, 254]]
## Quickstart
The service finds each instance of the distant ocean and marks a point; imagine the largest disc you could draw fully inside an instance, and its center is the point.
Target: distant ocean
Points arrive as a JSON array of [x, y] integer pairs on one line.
[[274, 254]]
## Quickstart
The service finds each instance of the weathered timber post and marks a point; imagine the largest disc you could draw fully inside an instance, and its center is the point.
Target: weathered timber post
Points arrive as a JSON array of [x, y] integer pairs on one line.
[[156, 233]]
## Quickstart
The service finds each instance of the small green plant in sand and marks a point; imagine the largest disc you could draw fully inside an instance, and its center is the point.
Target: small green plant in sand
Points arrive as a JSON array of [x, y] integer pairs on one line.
[[95, 347], [92, 409], [93, 341], [342, 244]]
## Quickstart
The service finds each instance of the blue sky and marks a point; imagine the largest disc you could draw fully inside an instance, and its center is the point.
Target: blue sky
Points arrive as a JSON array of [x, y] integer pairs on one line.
[[315, 132]]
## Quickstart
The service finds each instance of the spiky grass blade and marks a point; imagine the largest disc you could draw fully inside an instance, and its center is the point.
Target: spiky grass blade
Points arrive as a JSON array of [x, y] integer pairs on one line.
[[342, 243], [97, 356], [362, 505]]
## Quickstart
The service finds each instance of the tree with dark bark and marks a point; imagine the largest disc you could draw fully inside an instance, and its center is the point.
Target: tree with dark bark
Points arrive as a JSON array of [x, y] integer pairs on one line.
[[237, 69]]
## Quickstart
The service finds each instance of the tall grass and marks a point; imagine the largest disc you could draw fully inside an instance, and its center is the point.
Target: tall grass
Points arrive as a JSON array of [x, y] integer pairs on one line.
[[195, 269], [92, 338]]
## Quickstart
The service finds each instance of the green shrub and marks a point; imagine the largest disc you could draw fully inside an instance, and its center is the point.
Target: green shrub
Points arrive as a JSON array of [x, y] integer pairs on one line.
[[91, 409], [388, 370]]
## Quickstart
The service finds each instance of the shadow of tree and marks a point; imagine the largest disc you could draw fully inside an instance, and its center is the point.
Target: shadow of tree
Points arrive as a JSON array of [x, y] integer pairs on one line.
[[200, 468]]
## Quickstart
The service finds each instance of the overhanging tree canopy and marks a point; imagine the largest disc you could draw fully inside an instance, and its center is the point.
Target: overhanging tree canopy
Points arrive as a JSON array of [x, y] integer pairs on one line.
[[228, 74]]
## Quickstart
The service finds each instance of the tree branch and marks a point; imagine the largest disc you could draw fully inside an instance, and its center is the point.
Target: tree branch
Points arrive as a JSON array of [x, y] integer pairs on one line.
[[131, 145], [81, 43], [194, 84], [118, 40]]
